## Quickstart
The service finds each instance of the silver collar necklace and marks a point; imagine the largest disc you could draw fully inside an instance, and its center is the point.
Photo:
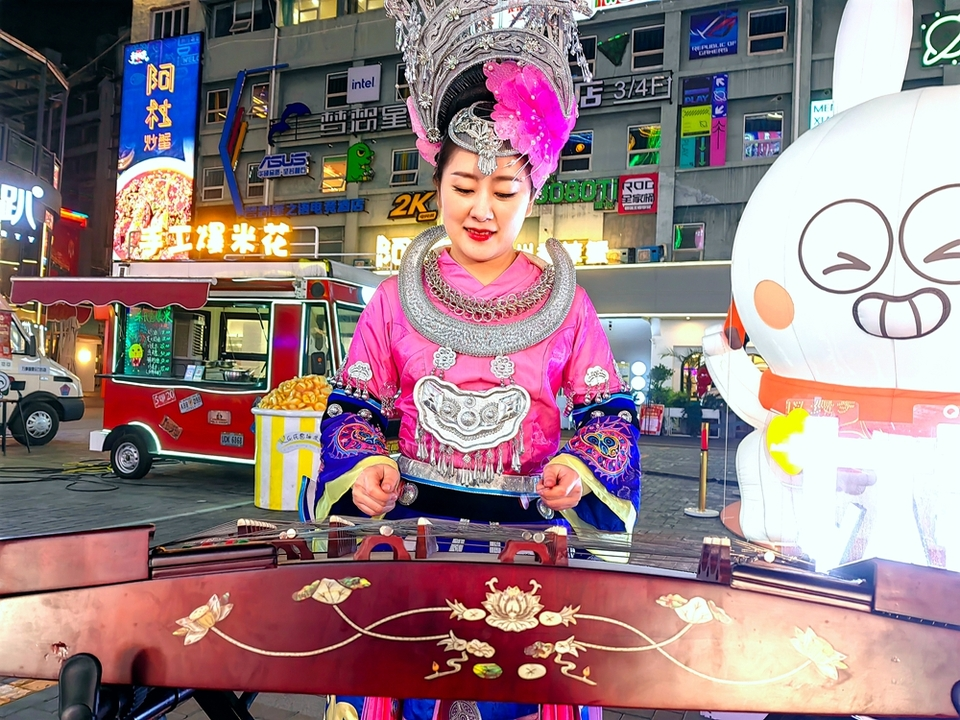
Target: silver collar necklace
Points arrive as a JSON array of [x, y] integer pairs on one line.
[[487, 340]]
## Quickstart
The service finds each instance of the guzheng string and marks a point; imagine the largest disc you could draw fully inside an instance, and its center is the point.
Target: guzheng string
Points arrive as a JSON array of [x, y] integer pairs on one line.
[[656, 549]]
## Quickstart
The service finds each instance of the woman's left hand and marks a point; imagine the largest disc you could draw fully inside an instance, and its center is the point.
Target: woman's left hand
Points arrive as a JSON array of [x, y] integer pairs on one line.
[[560, 488]]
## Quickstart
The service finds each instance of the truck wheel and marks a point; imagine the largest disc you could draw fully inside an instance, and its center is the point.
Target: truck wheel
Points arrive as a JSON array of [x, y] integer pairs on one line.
[[130, 457], [41, 424]]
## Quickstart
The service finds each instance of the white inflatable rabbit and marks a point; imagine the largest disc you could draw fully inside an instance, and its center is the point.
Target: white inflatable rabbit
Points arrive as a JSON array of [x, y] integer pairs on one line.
[[846, 278]]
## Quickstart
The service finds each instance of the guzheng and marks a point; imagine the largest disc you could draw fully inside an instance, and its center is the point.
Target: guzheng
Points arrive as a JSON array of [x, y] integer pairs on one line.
[[373, 608]]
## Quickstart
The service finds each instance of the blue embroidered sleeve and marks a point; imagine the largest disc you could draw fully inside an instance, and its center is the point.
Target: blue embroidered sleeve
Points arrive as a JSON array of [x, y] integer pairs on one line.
[[353, 429], [607, 445]]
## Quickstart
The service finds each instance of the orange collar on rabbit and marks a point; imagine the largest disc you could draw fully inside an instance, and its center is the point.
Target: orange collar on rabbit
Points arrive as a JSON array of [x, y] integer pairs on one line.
[[875, 404]]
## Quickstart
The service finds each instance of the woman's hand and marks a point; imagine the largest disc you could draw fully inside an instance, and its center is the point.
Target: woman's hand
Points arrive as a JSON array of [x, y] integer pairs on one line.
[[376, 490], [560, 488]]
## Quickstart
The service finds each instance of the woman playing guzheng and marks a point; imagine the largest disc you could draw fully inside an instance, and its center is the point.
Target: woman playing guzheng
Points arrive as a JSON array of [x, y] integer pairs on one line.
[[470, 344]]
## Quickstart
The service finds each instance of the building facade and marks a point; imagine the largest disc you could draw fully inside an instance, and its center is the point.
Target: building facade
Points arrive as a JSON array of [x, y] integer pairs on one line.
[[303, 122], [33, 93]]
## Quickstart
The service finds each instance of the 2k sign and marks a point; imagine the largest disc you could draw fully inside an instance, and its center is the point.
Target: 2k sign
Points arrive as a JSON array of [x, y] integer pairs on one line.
[[413, 206]]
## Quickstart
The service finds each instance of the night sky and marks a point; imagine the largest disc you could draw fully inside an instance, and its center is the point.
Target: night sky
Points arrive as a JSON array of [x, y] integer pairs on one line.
[[75, 28]]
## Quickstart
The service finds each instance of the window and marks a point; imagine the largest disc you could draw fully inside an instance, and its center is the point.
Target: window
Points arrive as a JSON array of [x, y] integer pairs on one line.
[[767, 31], [647, 47], [589, 54], [406, 164], [310, 10], [359, 6], [254, 182], [217, 101], [334, 174], [762, 135], [347, 319], [643, 145], [213, 184], [688, 240], [170, 23], [260, 100], [336, 90], [241, 16], [403, 88], [18, 343], [244, 337], [317, 360], [575, 155]]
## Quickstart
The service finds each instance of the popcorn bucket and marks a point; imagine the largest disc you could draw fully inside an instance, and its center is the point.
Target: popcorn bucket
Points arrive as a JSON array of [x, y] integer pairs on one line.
[[288, 449]]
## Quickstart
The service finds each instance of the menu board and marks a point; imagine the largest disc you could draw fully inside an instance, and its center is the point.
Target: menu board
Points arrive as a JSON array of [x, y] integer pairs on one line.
[[148, 343], [5, 349]]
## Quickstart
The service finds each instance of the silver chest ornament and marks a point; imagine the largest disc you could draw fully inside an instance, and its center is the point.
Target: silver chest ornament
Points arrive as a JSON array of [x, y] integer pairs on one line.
[[476, 424]]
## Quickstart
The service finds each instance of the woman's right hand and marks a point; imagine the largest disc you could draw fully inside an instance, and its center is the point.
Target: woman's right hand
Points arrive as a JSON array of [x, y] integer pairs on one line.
[[376, 490]]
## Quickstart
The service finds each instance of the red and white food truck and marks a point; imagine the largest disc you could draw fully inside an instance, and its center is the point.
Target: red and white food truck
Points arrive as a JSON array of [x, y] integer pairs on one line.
[[192, 347]]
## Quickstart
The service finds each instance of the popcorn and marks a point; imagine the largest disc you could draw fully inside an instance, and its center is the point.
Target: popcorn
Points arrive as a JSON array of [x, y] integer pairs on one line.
[[309, 393]]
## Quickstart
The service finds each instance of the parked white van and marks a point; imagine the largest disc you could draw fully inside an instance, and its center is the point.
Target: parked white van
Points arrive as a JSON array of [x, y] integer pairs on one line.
[[51, 393]]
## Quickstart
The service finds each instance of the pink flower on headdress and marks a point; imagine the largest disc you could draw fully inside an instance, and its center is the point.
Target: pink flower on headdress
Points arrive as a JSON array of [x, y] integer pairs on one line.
[[428, 150], [528, 113]]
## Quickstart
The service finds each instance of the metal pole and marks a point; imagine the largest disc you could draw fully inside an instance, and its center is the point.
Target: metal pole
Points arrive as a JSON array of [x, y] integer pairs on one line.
[[701, 510]]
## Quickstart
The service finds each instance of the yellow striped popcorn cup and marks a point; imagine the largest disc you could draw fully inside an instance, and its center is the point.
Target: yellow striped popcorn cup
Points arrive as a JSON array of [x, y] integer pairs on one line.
[[288, 448]]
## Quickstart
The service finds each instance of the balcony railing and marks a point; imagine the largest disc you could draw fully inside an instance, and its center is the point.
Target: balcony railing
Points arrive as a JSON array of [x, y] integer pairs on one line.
[[26, 154]]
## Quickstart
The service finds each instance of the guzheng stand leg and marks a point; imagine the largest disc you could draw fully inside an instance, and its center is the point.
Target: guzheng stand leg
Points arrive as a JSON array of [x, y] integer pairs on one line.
[[222, 705]]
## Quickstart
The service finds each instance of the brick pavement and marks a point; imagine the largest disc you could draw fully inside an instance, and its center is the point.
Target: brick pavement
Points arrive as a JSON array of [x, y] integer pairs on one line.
[[183, 498]]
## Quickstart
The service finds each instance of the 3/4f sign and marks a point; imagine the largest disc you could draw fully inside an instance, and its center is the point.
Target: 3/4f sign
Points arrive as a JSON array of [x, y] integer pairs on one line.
[[638, 193]]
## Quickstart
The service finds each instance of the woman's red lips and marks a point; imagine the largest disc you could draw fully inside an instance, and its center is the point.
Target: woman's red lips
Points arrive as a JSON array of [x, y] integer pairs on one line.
[[478, 235]]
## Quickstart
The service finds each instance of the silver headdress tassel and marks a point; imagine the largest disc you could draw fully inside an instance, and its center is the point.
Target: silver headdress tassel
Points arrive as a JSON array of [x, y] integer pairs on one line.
[[440, 41]]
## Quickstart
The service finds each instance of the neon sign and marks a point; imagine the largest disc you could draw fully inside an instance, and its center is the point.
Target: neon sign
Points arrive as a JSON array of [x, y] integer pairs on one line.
[[210, 240], [941, 39]]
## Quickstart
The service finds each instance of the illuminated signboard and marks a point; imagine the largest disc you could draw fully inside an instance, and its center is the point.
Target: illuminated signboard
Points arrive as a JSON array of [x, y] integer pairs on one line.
[[638, 193], [582, 252], [18, 219], [820, 111], [158, 135], [214, 240], [713, 33], [284, 165], [940, 33], [413, 206], [613, 4]]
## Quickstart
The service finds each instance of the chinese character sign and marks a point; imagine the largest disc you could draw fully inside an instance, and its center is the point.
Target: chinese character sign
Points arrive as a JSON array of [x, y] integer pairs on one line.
[[158, 135], [18, 218], [214, 240]]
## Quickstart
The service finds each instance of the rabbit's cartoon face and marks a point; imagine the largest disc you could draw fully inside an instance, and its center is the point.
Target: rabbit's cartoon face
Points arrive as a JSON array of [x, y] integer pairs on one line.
[[846, 265]]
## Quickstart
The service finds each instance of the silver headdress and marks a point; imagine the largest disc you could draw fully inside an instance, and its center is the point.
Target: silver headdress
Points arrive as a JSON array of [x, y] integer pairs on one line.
[[472, 129], [446, 46]]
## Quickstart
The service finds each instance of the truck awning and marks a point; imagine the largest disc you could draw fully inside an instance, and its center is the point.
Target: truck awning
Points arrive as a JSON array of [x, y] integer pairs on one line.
[[190, 294]]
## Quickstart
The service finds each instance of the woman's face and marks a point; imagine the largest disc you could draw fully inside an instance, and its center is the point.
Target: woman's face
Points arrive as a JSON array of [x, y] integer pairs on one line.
[[483, 214]]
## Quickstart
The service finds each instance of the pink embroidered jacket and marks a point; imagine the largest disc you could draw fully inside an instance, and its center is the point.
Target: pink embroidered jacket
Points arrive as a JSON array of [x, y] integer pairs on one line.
[[399, 356]]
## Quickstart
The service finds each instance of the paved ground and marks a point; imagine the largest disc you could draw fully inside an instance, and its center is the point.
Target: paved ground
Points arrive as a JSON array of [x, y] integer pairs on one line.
[[63, 486]]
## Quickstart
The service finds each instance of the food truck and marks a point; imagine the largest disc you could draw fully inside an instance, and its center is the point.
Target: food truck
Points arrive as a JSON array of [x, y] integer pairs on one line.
[[192, 347]]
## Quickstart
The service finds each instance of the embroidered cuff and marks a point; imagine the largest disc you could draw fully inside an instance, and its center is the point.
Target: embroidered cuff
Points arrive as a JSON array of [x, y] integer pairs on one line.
[[607, 446], [336, 488], [620, 405]]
